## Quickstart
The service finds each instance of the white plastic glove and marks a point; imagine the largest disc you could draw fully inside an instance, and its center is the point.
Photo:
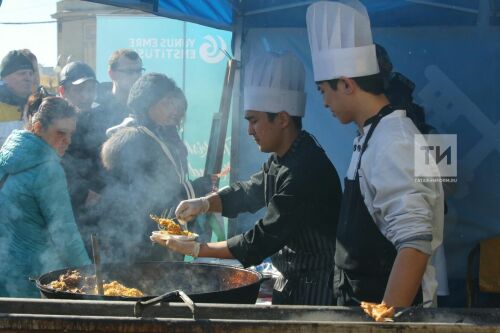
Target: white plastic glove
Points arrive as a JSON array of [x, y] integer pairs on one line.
[[189, 209], [186, 247]]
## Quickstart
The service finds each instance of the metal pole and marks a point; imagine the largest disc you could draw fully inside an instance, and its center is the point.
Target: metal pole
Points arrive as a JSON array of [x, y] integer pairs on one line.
[[236, 111]]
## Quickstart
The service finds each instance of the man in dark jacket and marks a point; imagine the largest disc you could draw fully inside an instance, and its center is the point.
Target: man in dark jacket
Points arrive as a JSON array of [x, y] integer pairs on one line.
[[298, 185], [77, 84], [125, 67]]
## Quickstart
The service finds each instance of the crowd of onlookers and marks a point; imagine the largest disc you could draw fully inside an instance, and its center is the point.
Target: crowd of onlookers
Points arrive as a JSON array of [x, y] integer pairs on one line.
[[89, 158]]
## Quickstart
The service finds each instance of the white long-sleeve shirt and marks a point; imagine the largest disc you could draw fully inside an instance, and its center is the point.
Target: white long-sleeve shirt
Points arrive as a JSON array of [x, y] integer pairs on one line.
[[407, 213]]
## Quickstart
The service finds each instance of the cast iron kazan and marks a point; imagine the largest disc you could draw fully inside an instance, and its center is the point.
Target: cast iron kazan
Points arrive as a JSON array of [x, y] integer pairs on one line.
[[203, 283]]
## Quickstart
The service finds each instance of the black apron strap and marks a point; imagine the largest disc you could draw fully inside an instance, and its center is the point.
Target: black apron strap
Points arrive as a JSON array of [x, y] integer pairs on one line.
[[376, 119]]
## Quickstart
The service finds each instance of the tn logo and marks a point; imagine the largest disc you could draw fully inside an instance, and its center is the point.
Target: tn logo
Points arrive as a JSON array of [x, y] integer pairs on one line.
[[438, 155]]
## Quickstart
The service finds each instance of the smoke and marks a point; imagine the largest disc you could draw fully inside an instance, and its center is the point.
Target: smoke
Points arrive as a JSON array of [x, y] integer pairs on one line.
[[139, 181], [132, 174]]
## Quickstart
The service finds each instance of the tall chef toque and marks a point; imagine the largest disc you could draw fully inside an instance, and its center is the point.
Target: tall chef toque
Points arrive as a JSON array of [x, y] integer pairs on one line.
[[341, 40], [275, 83]]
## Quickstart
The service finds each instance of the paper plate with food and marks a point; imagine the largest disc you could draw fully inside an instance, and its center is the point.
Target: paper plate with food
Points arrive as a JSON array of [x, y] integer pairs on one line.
[[172, 230]]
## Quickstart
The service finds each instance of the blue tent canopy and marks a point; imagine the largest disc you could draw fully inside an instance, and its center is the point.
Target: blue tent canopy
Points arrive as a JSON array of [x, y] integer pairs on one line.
[[223, 14]]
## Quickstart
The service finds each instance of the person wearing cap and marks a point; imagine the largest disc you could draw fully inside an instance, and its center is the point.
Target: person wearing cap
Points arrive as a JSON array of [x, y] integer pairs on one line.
[[390, 225], [77, 84], [16, 73], [298, 185]]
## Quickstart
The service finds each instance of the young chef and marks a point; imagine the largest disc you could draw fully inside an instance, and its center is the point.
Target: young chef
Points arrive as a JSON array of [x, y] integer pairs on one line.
[[390, 225], [298, 185]]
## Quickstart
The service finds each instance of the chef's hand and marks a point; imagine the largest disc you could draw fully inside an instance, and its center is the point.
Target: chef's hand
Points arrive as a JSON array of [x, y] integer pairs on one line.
[[186, 247], [189, 209]]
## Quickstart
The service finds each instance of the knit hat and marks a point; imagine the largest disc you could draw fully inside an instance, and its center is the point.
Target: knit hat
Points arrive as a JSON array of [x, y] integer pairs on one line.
[[275, 83], [148, 90], [15, 61]]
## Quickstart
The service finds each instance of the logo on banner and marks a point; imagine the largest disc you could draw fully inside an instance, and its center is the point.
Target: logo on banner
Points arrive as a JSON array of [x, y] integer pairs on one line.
[[211, 51], [435, 157]]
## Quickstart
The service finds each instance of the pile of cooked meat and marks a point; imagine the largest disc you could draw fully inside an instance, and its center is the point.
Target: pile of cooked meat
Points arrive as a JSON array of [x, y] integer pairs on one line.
[[72, 281]]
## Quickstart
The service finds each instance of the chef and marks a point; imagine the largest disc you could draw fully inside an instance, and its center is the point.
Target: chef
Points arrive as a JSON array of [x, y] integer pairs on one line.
[[298, 185], [390, 225]]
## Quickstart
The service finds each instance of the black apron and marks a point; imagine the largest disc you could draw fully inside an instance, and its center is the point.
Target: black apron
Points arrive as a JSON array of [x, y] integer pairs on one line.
[[363, 256], [303, 282]]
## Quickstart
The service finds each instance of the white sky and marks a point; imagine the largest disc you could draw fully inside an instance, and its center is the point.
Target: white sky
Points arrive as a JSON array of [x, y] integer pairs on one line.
[[41, 39]]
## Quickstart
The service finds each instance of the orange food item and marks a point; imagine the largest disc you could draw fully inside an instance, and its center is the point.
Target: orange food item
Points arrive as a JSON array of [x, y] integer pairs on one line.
[[170, 226], [379, 312], [114, 288]]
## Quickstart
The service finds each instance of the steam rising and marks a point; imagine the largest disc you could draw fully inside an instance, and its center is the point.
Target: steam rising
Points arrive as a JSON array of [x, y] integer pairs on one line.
[[139, 182]]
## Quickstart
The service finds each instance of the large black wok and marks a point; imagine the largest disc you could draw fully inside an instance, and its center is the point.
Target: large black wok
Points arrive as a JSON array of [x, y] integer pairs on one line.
[[203, 283]]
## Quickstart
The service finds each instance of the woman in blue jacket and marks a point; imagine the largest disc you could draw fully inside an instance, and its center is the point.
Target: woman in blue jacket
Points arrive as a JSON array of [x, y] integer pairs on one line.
[[38, 232]]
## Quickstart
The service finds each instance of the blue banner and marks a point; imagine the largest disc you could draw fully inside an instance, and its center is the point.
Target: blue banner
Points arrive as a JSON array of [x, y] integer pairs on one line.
[[191, 54]]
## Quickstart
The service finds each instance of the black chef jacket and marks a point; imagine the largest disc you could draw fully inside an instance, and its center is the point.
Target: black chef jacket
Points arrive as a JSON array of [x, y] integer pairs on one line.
[[302, 193]]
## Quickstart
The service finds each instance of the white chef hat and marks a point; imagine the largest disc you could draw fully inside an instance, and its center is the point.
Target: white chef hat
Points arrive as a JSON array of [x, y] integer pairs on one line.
[[341, 40], [275, 83]]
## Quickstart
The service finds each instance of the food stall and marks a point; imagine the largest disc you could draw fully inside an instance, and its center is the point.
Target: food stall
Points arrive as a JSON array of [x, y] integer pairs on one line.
[[431, 43], [450, 27]]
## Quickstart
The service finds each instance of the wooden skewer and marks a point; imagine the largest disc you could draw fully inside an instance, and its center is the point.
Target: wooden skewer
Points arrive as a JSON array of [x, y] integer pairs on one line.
[[97, 264]]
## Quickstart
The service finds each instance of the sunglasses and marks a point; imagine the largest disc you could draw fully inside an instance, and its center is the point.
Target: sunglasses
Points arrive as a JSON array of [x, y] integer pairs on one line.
[[131, 71]]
